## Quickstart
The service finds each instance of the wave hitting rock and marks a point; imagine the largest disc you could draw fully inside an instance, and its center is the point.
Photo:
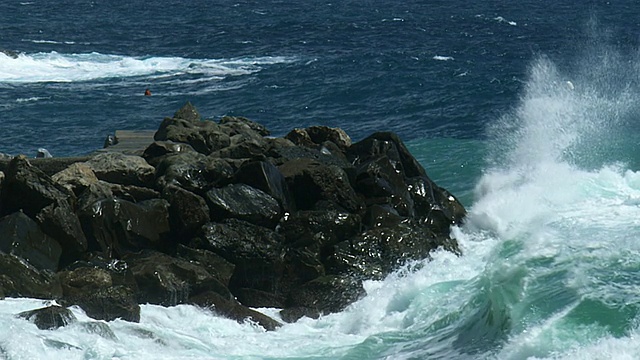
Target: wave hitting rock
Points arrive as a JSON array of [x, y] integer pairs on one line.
[[220, 215]]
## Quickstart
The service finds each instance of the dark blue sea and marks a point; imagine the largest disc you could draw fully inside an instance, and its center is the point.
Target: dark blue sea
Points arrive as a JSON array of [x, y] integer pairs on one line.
[[528, 111]]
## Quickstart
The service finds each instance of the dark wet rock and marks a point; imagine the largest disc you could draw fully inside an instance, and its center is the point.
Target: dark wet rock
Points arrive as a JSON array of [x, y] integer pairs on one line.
[[28, 189], [50, 317], [186, 127], [319, 229], [311, 181], [256, 252], [169, 281], [20, 279], [242, 125], [434, 205], [93, 290], [243, 202], [266, 177], [21, 236], [244, 147], [133, 193], [117, 226], [382, 215], [293, 314], [187, 212], [315, 136], [233, 310], [389, 145], [258, 298], [215, 264], [194, 172], [77, 177], [188, 112], [327, 294], [158, 150], [122, 169], [379, 251]]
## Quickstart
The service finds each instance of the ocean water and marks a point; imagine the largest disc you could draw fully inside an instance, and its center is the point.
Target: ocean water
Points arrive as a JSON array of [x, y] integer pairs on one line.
[[527, 111]]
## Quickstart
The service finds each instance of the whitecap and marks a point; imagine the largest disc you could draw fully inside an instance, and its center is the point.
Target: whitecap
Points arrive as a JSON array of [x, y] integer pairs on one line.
[[442, 58]]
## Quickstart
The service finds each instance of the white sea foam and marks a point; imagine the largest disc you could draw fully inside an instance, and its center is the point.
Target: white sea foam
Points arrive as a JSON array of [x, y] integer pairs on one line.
[[56, 67], [442, 58]]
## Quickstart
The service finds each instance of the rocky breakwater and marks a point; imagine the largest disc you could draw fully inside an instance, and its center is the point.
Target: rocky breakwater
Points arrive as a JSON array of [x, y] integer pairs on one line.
[[220, 215]]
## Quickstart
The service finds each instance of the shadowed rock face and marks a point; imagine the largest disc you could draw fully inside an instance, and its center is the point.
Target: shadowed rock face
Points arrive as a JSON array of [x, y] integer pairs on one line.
[[220, 215]]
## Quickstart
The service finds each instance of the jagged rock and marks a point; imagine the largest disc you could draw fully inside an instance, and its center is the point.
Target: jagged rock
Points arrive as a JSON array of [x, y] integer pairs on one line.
[[158, 150], [327, 294], [318, 229], [241, 125], [50, 317], [50, 204], [434, 205], [266, 177], [233, 310], [169, 281], [118, 226], [187, 211], [311, 181], [317, 135], [186, 127], [21, 236], [20, 279], [215, 264], [94, 291], [243, 147], [379, 251], [77, 177], [256, 252], [293, 314], [257, 298], [187, 112], [381, 181], [132, 193], [243, 202], [194, 172], [122, 169]]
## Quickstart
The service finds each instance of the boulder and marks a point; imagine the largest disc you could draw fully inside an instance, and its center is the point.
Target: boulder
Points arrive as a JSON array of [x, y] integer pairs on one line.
[[317, 135], [265, 176], [21, 236], [28, 189], [311, 182], [239, 124], [76, 177], [93, 290], [215, 264], [50, 317], [231, 309], [186, 127], [122, 169], [117, 226], [324, 295], [158, 150], [194, 172], [168, 281], [20, 279], [318, 229], [256, 252], [188, 212], [240, 201]]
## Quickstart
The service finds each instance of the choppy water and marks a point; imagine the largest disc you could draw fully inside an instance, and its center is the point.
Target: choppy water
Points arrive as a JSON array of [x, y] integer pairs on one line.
[[526, 111]]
